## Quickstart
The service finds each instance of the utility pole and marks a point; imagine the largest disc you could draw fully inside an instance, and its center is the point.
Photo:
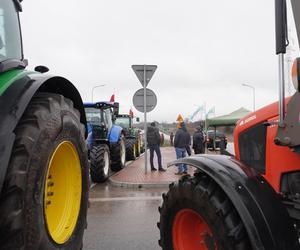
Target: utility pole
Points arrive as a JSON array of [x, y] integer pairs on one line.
[[253, 89]]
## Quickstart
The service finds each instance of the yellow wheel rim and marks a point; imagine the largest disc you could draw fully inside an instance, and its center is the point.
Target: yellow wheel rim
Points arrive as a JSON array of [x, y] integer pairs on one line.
[[134, 151], [139, 146], [63, 189]]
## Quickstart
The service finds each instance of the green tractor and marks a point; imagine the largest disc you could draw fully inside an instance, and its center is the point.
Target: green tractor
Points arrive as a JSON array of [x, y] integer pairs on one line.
[[43, 155], [132, 135]]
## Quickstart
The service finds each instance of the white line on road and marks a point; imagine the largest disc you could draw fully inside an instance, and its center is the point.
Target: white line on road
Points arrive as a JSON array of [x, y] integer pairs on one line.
[[145, 198]]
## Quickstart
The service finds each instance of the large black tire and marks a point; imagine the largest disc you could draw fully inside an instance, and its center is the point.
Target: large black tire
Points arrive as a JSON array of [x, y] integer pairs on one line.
[[118, 154], [131, 149], [100, 163], [201, 195], [138, 144], [222, 146], [48, 121]]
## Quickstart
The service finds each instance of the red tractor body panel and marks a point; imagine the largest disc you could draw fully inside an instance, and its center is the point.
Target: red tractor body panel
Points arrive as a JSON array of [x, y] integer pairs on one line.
[[278, 159]]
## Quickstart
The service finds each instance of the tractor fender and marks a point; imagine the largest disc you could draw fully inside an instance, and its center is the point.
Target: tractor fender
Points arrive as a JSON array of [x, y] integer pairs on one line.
[[265, 218], [14, 101], [115, 134], [89, 140]]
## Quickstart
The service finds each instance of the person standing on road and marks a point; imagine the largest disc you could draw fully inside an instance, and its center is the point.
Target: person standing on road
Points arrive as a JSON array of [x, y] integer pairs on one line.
[[181, 142], [153, 140], [198, 141], [171, 138]]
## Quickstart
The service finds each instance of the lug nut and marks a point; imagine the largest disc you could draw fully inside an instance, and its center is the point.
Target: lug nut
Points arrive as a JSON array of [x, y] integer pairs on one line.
[[50, 184], [50, 193], [48, 202]]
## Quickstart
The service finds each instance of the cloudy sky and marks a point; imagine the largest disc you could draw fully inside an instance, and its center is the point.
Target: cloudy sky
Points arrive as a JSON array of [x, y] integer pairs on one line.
[[204, 50]]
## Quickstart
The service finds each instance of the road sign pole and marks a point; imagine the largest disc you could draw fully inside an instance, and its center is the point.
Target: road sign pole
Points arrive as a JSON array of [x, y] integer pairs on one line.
[[144, 73], [145, 119]]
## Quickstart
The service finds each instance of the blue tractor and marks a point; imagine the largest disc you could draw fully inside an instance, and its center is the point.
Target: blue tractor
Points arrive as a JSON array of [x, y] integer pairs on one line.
[[106, 141]]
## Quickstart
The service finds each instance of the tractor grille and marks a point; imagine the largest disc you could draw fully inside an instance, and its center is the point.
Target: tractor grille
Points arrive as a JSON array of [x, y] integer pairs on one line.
[[252, 146]]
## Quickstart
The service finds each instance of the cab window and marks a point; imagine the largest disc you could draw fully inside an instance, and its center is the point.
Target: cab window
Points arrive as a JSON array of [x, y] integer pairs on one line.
[[10, 35]]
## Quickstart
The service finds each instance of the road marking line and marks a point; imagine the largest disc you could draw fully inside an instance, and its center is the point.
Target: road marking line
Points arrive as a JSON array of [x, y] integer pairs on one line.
[[150, 198]]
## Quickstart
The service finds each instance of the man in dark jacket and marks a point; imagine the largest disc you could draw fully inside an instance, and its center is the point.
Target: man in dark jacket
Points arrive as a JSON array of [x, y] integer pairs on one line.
[[153, 140], [182, 141], [198, 140]]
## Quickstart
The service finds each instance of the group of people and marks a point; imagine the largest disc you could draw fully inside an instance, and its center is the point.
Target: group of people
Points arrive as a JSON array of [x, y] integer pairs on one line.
[[182, 144]]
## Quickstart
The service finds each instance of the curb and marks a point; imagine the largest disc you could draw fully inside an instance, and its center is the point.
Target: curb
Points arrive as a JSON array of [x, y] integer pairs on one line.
[[140, 185], [137, 185]]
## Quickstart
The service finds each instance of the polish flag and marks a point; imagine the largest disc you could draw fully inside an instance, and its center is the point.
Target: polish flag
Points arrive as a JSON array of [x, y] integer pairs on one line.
[[112, 98], [130, 113]]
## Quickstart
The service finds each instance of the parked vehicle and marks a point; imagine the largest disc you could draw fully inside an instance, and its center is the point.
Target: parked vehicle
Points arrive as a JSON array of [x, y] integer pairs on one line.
[[43, 155], [251, 201], [132, 135], [106, 141], [215, 139]]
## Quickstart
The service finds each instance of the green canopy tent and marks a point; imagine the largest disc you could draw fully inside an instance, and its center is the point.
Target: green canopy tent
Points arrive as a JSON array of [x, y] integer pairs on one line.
[[227, 120]]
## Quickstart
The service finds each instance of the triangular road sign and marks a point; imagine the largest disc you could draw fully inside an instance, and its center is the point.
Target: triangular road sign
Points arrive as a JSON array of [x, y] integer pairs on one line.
[[139, 71], [179, 118]]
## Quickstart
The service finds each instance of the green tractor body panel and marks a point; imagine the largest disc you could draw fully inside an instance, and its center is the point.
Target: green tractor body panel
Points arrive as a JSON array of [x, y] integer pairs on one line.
[[9, 77]]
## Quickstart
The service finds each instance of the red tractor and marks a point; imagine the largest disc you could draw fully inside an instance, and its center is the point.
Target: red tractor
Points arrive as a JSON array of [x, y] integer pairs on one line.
[[252, 200]]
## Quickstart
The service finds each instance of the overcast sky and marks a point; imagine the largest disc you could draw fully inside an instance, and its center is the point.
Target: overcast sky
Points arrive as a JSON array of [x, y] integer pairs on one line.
[[204, 50]]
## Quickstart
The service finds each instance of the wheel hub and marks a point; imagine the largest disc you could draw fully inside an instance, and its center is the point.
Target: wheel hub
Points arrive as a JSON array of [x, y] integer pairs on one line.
[[106, 163], [191, 232], [123, 152]]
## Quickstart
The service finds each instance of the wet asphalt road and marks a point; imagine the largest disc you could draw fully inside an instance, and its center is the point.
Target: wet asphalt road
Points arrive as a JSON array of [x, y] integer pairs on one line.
[[123, 219]]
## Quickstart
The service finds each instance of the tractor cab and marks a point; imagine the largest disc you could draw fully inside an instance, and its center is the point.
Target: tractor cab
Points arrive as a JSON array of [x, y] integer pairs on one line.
[[100, 118], [11, 51], [126, 122]]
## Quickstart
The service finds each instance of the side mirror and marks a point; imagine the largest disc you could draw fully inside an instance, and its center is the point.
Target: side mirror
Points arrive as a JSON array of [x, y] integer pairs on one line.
[[296, 74], [42, 69], [281, 26], [137, 119]]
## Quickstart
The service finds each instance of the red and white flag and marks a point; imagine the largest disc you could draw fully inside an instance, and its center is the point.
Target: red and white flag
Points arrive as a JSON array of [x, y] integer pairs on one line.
[[130, 113], [112, 98]]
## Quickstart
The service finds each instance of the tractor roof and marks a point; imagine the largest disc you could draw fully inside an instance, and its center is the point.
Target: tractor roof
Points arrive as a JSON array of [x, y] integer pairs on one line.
[[124, 115], [101, 104]]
